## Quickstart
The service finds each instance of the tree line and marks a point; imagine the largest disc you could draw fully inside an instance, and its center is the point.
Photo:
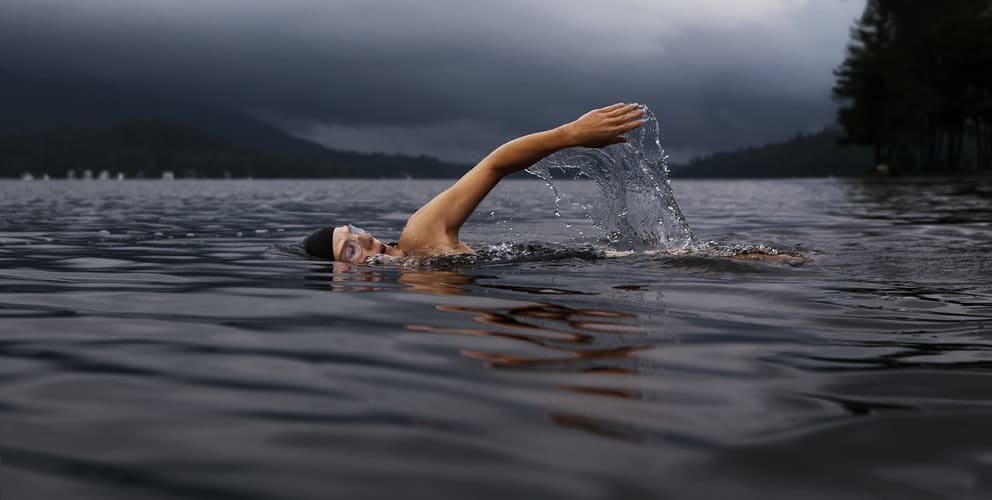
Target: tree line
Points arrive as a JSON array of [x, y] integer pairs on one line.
[[916, 85], [803, 155]]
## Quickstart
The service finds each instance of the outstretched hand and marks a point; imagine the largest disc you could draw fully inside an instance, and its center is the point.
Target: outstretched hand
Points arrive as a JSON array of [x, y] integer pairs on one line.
[[605, 126]]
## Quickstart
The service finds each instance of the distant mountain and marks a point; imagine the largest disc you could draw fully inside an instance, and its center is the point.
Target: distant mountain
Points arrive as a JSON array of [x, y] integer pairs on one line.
[[805, 155], [149, 148], [145, 148], [44, 108]]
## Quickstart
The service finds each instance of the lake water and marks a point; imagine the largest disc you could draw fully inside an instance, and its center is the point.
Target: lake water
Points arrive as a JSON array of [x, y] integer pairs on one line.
[[166, 340]]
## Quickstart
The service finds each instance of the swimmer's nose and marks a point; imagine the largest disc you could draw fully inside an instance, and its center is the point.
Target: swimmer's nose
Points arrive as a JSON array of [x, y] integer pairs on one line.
[[365, 240]]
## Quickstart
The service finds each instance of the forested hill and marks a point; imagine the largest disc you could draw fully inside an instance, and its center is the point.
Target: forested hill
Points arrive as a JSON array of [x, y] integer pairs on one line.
[[805, 155], [50, 126], [148, 148]]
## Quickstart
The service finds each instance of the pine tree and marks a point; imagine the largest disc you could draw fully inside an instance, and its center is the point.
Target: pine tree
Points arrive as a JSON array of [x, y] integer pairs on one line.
[[916, 83], [864, 83]]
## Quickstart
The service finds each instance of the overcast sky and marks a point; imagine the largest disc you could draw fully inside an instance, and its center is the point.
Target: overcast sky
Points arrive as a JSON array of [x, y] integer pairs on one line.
[[454, 78]]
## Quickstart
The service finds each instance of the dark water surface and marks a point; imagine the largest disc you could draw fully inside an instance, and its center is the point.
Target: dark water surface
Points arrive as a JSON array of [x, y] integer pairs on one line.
[[166, 340]]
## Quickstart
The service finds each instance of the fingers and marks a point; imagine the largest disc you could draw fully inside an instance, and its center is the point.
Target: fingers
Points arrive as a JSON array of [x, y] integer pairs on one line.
[[613, 107], [623, 109], [630, 125], [619, 108], [629, 116]]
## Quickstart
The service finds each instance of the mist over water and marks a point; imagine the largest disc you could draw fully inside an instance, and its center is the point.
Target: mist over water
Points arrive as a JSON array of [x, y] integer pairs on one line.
[[636, 208]]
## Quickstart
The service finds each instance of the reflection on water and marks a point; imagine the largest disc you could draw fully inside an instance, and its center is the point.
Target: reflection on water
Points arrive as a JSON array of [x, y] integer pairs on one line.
[[543, 336], [567, 340], [925, 200], [571, 337], [570, 340], [438, 282]]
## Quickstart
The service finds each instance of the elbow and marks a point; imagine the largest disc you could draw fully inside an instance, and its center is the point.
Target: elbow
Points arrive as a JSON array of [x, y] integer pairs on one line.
[[494, 167]]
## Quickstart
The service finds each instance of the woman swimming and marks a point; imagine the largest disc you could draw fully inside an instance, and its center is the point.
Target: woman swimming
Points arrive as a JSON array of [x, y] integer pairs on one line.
[[433, 229]]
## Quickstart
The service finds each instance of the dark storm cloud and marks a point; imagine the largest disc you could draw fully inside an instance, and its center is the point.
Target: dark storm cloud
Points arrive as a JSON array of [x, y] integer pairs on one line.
[[451, 77]]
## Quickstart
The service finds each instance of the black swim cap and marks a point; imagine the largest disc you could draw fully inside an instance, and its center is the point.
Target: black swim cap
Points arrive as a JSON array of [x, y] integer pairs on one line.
[[320, 243]]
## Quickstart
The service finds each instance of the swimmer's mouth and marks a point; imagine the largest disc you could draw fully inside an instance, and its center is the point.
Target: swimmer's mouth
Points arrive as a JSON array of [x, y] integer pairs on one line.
[[384, 249]]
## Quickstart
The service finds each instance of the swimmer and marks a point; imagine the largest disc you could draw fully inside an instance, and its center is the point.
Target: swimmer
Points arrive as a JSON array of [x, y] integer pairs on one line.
[[433, 229]]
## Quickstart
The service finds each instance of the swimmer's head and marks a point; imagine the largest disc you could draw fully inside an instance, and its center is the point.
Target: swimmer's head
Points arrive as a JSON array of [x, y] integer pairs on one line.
[[346, 244]]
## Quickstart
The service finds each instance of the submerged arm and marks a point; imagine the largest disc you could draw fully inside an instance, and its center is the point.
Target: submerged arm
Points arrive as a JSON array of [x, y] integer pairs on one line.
[[437, 223]]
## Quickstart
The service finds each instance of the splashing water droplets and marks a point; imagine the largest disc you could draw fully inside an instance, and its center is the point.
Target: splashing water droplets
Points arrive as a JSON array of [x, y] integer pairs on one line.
[[546, 177], [637, 209]]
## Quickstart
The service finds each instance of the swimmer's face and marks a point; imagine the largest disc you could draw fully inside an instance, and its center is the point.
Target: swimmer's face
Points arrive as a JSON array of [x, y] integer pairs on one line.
[[354, 245]]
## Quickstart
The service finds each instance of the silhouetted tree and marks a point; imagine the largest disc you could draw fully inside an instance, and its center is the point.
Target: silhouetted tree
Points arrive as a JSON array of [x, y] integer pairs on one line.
[[866, 82], [915, 83]]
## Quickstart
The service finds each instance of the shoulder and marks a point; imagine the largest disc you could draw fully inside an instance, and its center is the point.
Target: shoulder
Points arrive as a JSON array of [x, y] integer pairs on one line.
[[424, 232]]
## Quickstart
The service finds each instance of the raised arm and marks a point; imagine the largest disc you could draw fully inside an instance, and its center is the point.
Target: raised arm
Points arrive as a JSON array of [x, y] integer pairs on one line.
[[436, 224]]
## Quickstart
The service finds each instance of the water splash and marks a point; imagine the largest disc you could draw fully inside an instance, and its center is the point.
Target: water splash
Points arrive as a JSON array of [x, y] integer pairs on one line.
[[637, 209], [496, 254]]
